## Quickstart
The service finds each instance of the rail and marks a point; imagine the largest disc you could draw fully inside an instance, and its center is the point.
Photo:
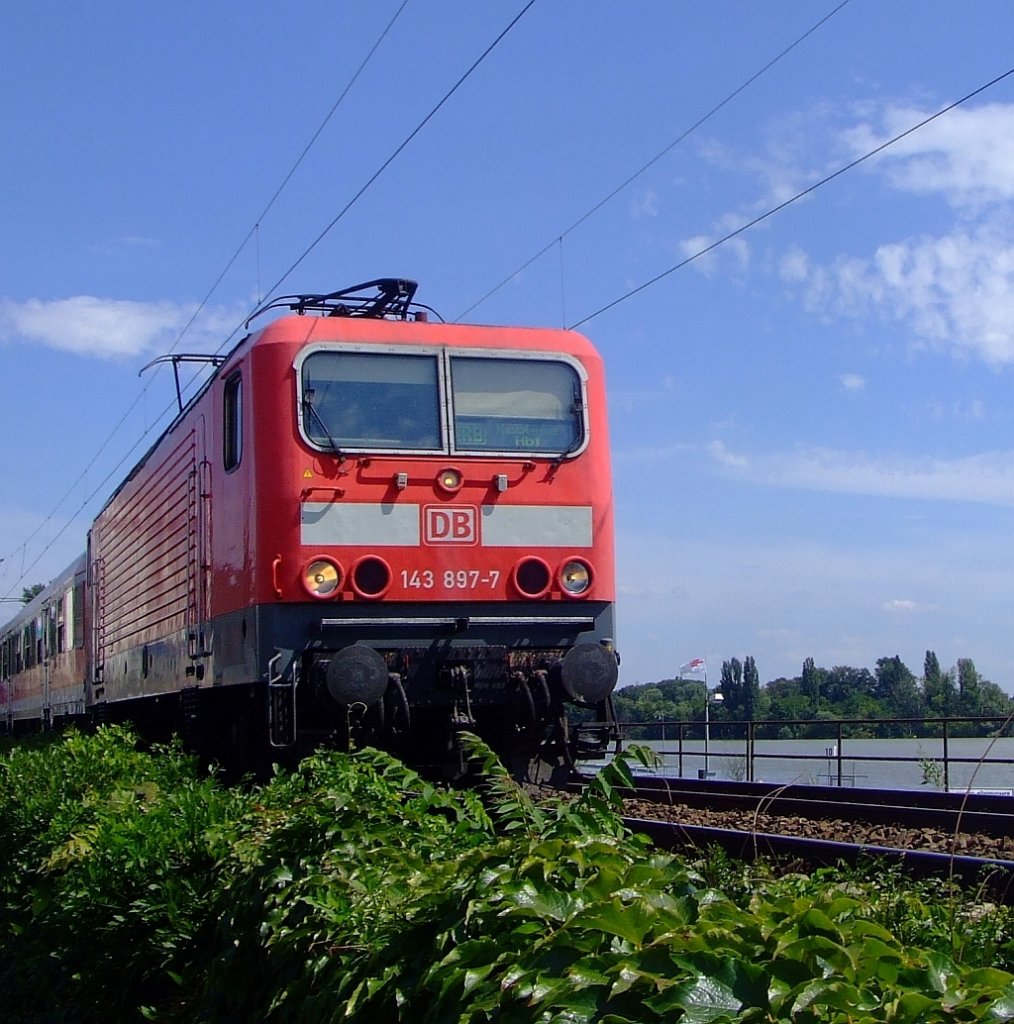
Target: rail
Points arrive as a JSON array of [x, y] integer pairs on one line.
[[988, 875], [839, 749]]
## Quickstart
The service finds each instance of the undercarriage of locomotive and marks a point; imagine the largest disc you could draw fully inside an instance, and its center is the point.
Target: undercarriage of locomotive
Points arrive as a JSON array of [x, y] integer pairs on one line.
[[540, 711]]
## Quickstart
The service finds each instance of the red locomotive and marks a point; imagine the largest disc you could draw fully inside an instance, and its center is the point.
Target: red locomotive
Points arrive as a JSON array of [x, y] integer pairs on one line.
[[366, 525]]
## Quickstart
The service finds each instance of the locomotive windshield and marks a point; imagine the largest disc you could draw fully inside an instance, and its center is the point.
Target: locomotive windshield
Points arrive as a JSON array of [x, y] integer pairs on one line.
[[515, 405], [371, 400], [392, 401]]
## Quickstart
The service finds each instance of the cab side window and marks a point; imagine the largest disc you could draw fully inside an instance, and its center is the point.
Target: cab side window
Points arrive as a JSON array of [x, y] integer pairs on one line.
[[232, 426]]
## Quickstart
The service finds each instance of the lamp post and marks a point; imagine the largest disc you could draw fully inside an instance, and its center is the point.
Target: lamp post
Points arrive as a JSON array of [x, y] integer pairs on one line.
[[694, 666], [707, 725], [708, 698]]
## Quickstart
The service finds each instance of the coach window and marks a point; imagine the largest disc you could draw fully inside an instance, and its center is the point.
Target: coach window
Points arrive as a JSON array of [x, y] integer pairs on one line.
[[381, 401], [29, 644], [232, 427], [530, 406], [79, 613], [53, 644]]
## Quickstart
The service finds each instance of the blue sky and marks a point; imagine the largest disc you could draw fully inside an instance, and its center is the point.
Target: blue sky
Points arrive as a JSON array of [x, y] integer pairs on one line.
[[813, 444]]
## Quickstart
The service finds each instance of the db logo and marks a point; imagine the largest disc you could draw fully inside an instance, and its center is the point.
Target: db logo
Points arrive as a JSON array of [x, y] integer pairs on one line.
[[450, 524]]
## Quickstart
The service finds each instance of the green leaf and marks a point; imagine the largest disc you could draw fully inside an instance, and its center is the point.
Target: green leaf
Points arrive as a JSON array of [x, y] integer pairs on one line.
[[830, 992], [588, 971], [818, 952], [913, 1007], [863, 929], [545, 901], [627, 977], [986, 978], [940, 971], [713, 987], [816, 922], [1002, 1009], [475, 975], [703, 999], [631, 922], [581, 1007]]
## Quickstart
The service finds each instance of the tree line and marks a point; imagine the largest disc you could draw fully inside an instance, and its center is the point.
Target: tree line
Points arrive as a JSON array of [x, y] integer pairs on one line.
[[796, 707]]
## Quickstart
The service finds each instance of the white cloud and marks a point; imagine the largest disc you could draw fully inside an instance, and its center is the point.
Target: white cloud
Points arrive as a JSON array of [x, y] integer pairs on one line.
[[952, 291], [968, 410], [905, 606], [735, 248], [966, 156], [852, 381], [106, 328], [645, 204], [956, 291], [987, 478], [652, 453], [690, 247], [721, 454], [795, 266]]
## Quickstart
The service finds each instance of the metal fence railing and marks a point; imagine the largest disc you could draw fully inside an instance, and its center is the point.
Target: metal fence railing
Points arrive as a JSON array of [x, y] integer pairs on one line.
[[942, 752]]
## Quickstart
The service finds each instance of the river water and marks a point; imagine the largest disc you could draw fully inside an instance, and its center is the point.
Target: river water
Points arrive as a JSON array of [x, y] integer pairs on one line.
[[978, 764]]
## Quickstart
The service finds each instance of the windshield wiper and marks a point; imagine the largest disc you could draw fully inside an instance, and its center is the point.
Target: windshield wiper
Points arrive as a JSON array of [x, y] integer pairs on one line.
[[309, 407], [578, 411]]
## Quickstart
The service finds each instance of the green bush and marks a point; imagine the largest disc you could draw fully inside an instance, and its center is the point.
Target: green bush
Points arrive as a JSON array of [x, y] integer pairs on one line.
[[107, 874], [352, 890]]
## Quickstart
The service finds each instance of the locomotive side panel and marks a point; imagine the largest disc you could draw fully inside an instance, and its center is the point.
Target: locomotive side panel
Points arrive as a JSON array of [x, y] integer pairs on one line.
[[149, 568], [231, 454]]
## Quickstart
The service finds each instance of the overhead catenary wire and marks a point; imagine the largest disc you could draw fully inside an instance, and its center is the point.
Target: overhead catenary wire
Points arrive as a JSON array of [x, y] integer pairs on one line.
[[376, 174], [415, 131], [288, 177], [558, 240], [23, 546], [851, 165], [373, 178]]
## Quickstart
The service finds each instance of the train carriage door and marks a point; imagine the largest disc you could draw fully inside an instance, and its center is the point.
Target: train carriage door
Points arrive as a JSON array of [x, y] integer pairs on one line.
[[48, 622], [40, 656], [97, 639], [198, 551]]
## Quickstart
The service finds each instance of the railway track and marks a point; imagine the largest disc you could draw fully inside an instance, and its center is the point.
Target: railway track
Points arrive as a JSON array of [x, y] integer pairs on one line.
[[965, 836]]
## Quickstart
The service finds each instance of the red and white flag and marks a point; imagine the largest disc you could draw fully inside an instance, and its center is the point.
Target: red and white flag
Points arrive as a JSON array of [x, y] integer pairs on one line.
[[693, 665]]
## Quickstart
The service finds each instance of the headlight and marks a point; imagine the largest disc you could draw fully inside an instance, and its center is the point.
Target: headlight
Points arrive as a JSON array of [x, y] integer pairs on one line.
[[449, 480], [575, 577], [321, 577]]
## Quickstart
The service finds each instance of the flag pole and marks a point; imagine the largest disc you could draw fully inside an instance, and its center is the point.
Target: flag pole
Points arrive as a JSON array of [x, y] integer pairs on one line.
[[695, 665], [707, 723]]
